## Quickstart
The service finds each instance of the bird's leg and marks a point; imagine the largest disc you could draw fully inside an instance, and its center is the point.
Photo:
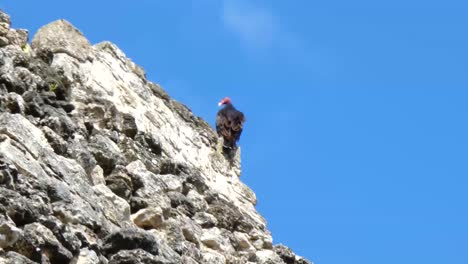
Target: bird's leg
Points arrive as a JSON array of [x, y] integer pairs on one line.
[[226, 146]]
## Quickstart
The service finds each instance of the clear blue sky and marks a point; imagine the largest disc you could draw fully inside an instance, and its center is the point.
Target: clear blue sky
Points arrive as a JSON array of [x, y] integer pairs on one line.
[[356, 135]]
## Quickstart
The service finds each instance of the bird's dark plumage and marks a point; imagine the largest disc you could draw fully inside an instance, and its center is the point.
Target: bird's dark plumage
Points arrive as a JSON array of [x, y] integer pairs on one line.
[[229, 123]]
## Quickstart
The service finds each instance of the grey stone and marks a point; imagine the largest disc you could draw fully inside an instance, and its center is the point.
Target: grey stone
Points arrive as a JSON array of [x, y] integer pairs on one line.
[[78, 150], [86, 256], [248, 194], [117, 209], [212, 238], [78, 212], [62, 37], [241, 241], [63, 232], [149, 218], [106, 153], [118, 54], [192, 232], [20, 80], [267, 257], [174, 235], [165, 250], [58, 120], [188, 260], [129, 239], [217, 239], [4, 17], [125, 124], [38, 242], [182, 203], [97, 175], [150, 142], [205, 220], [8, 173], [56, 141], [34, 104], [120, 183], [261, 240], [14, 103], [285, 253], [213, 257], [149, 188], [301, 260], [22, 58], [18, 37], [170, 182], [197, 201], [193, 251], [9, 233], [4, 28], [12, 257], [229, 216], [4, 41], [22, 210], [136, 256]]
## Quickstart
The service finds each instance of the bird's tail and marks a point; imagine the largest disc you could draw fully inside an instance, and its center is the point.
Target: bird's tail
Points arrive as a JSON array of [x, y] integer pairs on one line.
[[229, 148]]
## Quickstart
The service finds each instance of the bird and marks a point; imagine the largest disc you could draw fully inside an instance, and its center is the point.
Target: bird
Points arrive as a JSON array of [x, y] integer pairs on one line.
[[229, 124]]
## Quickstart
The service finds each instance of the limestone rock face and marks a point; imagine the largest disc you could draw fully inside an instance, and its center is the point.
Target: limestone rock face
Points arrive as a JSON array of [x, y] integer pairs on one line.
[[100, 165]]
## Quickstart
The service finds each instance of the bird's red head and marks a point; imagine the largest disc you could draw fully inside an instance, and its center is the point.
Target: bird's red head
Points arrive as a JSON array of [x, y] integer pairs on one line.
[[225, 100]]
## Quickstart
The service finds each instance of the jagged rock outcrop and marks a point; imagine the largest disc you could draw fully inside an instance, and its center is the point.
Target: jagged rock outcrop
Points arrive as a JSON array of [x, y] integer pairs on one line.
[[99, 165]]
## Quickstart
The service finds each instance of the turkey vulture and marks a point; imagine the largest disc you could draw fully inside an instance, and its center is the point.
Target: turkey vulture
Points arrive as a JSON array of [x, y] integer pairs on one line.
[[229, 122]]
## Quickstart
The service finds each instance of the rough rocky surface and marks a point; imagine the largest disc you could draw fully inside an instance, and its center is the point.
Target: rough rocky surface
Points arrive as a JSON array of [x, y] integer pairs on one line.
[[99, 165]]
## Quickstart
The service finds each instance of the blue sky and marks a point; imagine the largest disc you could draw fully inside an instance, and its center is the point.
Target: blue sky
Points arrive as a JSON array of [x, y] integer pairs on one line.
[[356, 135]]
